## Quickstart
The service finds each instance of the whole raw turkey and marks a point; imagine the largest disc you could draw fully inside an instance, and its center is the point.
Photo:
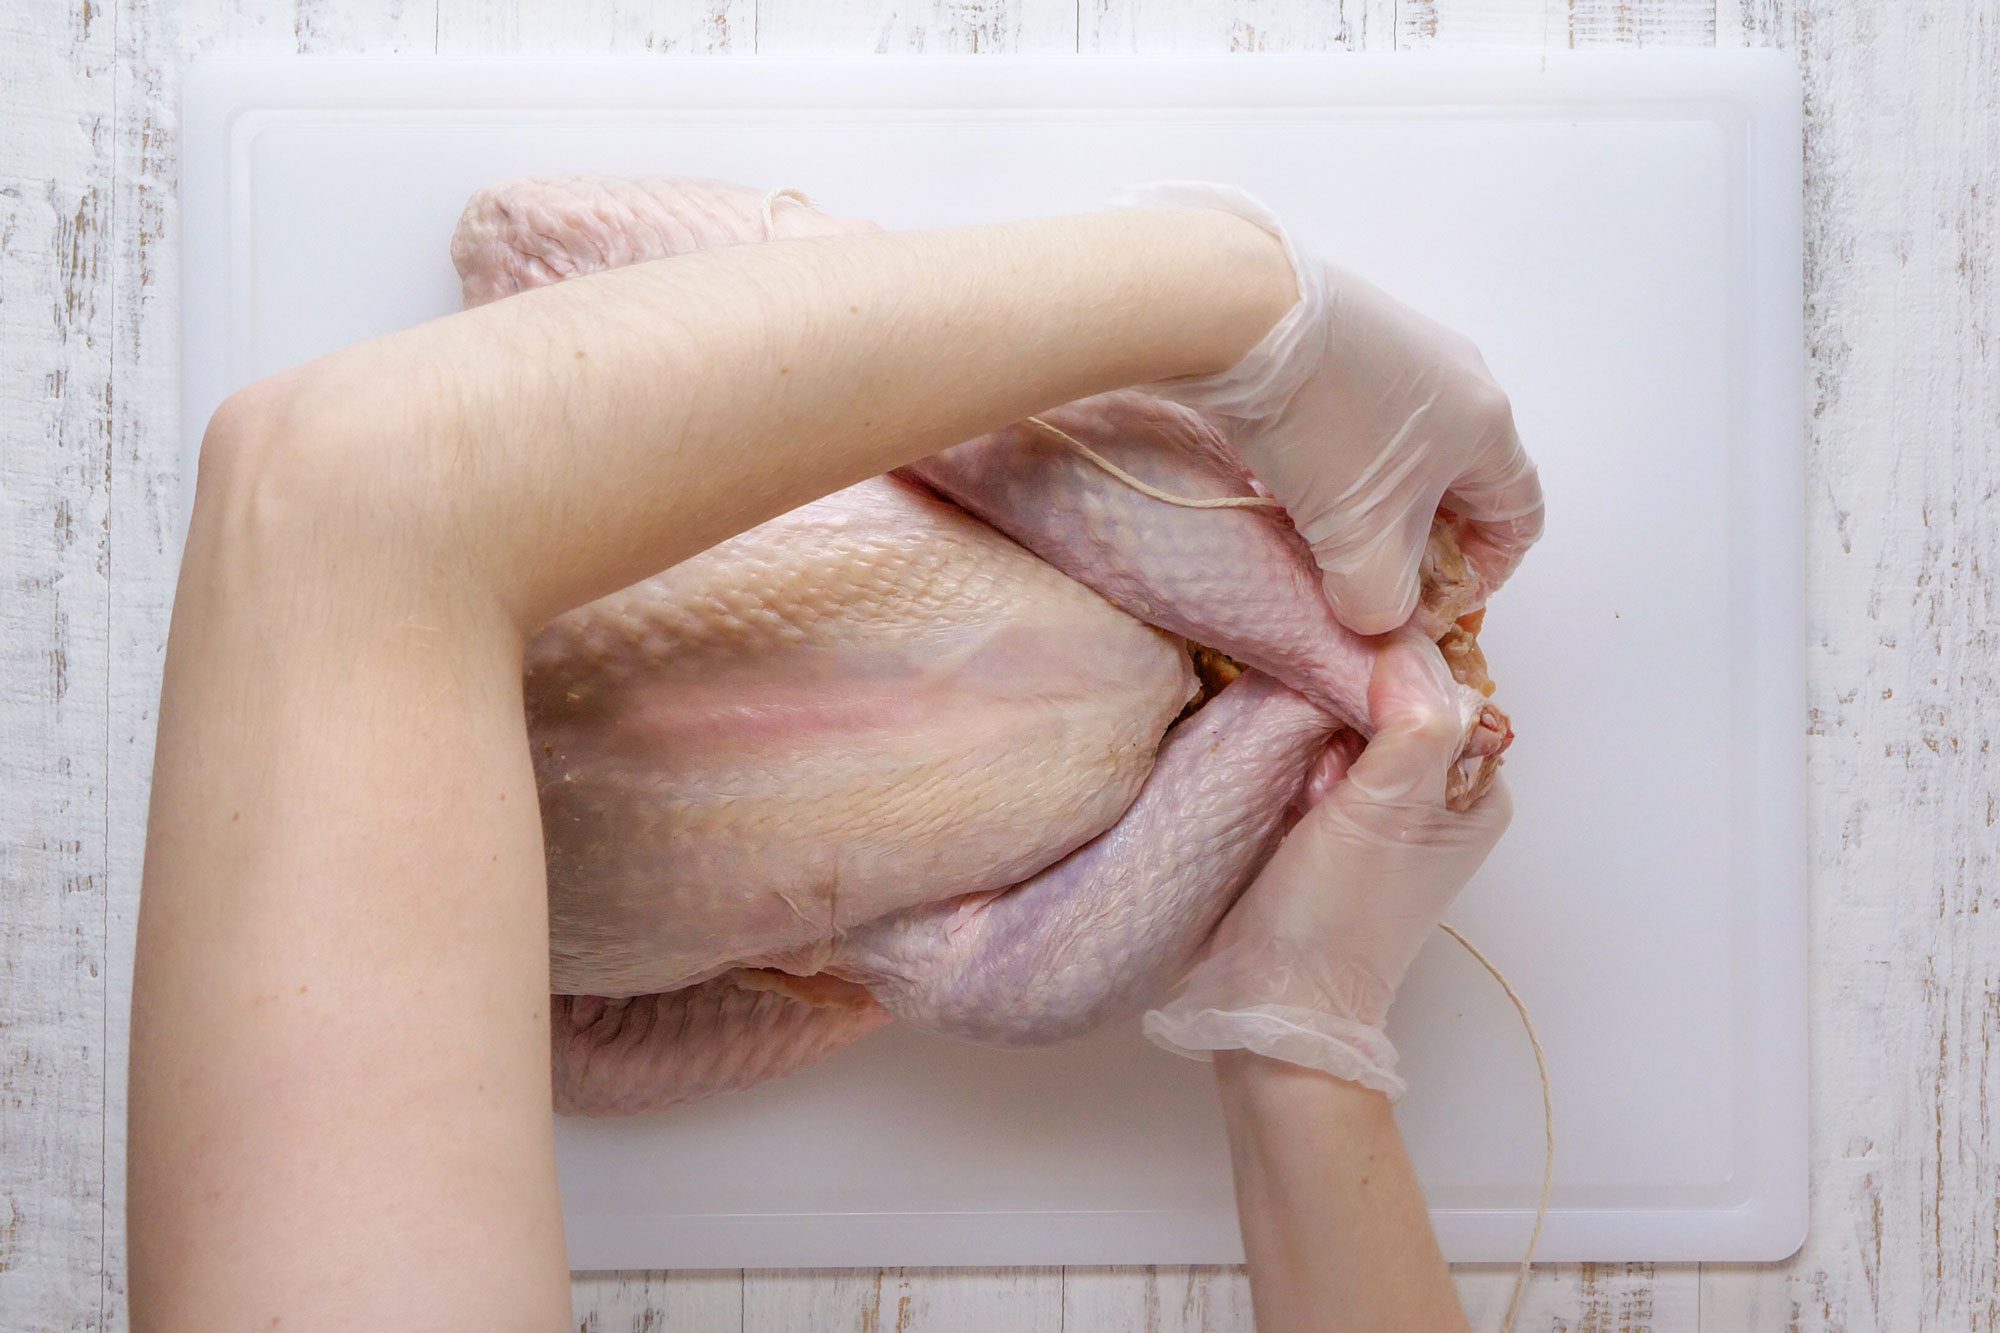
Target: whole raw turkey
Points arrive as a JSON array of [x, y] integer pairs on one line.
[[988, 746]]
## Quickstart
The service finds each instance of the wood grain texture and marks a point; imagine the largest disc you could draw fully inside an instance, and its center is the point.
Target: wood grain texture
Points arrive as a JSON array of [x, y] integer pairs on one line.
[[907, 1300], [1112, 27], [1903, 547], [1554, 24], [1471, 23], [916, 27], [1622, 23], [1155, 1300], [145, 515], [707, 1302], [56, 391], [1903, 217], [510, 27]]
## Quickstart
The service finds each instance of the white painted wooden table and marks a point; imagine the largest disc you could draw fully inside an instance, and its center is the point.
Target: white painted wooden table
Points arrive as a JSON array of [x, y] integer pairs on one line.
[[1903, 320]]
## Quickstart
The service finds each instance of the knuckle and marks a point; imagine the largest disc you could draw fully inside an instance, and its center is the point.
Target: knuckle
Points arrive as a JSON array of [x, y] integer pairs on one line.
[[1432, 727], [1438, 728], [1493, 406]]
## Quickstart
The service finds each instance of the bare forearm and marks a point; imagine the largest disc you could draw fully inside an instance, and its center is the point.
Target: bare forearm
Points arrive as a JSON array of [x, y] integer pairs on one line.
[[1334, 1223], [340, 1087], [591, 433]]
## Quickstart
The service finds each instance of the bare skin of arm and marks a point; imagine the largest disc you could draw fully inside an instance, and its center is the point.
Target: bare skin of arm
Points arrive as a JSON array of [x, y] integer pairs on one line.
[[1334, 1225], [340, 1091]]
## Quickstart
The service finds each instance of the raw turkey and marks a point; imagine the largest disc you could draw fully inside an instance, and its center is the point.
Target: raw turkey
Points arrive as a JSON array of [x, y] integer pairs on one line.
[[987, 746]]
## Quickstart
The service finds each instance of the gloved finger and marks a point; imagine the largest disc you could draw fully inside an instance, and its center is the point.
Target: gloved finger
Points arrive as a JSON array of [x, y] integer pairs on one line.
[[1402, 863], [1457, 843], [1411, 686], [1489, 816], [1419, 727], [1329, 769], [1497, 480], [1371, 582], [1494, 549], [1501, 498]]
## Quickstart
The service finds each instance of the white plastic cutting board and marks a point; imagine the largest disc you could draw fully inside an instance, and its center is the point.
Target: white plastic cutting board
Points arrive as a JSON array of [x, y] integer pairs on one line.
[[1620, 233]]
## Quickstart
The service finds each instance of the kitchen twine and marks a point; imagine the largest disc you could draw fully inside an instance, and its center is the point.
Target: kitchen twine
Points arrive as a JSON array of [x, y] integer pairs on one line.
[[770, 202], [1145, 488]]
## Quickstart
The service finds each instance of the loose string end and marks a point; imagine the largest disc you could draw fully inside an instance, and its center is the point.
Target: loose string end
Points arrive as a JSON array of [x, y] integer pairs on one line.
[[1548, 1122]]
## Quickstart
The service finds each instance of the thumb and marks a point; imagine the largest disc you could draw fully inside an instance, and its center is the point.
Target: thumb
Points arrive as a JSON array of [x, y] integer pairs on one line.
[[1371, 583], [1501, 501], [1419, 725]]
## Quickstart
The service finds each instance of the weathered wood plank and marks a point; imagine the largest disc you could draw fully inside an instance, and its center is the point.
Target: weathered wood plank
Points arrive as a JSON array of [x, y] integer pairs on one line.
[[1378, 24], [599, 27], [1540, 24], [385, 27], [1623, 23], [1903, 251], [658, 1302], [55, 454], [912, 27], [1157, 1300], [1554, 24], [1755, 23], [237, 27], [145, 504], [909, 1300], [1113, 27], [309, 27], [1587, 1298]]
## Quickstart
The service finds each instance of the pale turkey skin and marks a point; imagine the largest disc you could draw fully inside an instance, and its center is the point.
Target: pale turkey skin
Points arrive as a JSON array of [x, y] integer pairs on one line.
[[650, 1052], [737, 759], [872, 702]]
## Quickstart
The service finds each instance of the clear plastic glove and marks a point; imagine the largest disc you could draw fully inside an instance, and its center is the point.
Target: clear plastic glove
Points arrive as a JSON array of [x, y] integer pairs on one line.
[[1362, 417], [1306, 963]]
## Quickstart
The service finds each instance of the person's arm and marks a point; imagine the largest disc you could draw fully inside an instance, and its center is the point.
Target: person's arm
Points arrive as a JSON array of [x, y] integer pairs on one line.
[[1363, 416], [1290, 999], [1334, 1225], [340, 1088]]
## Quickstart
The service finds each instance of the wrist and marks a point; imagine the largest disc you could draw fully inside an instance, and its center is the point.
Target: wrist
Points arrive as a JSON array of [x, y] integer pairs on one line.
[[1232, 271], [1260, 1086]]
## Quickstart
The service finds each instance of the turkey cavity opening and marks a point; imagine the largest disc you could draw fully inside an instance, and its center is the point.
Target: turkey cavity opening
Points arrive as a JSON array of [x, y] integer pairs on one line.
[[1213, 669]]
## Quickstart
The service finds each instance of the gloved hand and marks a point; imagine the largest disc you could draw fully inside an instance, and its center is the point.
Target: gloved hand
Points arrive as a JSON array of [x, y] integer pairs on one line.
[[1362, 417], [1306, 963]]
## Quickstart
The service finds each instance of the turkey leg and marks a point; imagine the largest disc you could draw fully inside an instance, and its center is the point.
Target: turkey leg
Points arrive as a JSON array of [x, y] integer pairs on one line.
[[1103, 932]]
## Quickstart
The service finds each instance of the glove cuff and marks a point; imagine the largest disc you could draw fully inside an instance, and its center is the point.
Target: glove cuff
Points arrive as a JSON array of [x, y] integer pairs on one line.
[[1337, 1046], [1258, 387]]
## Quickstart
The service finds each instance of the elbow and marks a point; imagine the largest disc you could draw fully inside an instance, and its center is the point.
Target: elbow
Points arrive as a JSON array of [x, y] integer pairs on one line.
[[311, 492], [298, 477], [240, 434], [272, 471]]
